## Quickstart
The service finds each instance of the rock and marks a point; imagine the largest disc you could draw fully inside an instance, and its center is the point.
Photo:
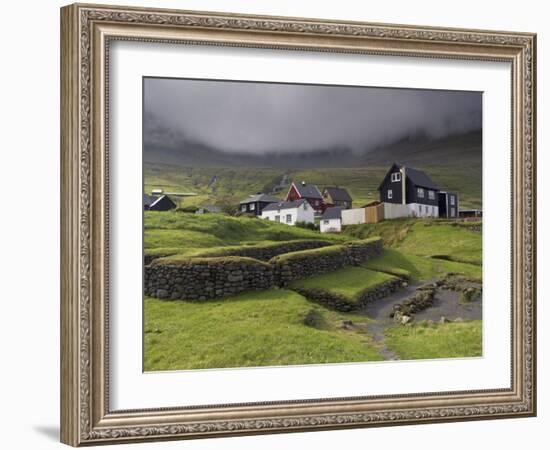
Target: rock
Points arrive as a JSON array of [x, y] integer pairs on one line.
[[405, 320], [162, 293]]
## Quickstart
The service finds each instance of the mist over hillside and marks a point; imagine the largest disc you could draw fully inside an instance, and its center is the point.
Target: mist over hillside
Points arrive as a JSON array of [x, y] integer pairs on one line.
[[419, 150]]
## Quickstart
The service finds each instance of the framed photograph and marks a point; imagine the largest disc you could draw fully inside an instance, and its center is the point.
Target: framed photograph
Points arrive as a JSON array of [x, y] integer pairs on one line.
[[275, 224]]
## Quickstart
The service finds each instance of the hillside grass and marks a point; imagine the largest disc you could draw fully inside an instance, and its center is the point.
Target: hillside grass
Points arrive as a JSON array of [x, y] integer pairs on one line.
[[172, 232], [419, 268], [252, 329], [431, 341], [349, 282]]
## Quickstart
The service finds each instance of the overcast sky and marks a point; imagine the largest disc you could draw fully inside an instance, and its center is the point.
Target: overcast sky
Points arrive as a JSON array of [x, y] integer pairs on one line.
[[252, 117]]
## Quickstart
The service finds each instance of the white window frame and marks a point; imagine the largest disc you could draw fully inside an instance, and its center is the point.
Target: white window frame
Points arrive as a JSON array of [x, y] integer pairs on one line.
[[431, 194], [243, 208], [252, 206], [395, 177], [420, 192], [289, 218], [452, 200], [390, 194], [326, 221]]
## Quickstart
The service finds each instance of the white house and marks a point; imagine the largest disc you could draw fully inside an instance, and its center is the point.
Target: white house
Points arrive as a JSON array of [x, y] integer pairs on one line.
[[331, 220], [289, 212]]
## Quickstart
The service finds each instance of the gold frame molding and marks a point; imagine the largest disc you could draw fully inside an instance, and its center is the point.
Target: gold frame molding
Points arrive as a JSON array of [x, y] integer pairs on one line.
[[86, 31]]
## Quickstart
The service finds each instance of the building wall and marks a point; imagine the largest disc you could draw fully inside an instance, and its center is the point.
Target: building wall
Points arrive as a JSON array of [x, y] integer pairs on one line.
[[300, 214], [333, 226], [394, 211], [353, 216]]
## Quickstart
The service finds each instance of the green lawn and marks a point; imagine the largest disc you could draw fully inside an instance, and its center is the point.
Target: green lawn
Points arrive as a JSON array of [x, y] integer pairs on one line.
[[349, 282], [430, 341], [171, 232], [253, 329], [419, 267]]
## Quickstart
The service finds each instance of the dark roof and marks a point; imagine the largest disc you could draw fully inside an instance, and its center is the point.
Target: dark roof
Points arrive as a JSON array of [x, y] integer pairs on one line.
[[260, 198], [161, 199], [308, 190], [338, 194], [332, 213], [418, 177], [283, 205]]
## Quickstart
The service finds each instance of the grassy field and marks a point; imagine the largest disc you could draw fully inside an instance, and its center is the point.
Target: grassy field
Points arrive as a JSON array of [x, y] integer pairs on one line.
[[349, 282], [253, 329], [228, 186], [429, 341]]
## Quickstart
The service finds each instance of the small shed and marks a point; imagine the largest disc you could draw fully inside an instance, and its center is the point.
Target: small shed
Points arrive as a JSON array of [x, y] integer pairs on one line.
[[331, 220], [162, 203]]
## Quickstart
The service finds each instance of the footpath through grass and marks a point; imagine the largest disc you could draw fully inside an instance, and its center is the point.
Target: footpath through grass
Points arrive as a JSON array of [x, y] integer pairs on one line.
[[430, 341], [253, 329], [349, 282]]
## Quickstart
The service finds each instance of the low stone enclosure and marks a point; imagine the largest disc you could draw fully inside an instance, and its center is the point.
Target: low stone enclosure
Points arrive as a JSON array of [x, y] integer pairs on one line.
[[341, 303], [205, 278]]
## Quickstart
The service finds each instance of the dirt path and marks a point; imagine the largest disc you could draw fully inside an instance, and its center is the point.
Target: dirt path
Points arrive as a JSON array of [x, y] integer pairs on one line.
[[446, 304]]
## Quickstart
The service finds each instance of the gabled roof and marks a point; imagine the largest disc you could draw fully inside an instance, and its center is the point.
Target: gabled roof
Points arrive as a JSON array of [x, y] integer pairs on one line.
[[338, 194], [260, 198], [159, 199], [308, 190], [418, 177], [284, 205], [332, 213]]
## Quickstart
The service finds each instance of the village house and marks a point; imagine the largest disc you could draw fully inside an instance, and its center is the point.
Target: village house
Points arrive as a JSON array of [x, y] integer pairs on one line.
[[255, 204], [160, 203], [309, 192], [289, 212], [448, 205], [408, 192], [331, 220], [336, 196]]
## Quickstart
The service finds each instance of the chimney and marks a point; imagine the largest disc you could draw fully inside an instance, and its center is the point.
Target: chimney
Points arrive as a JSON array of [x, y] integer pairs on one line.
[[303, 183], [403, 186]]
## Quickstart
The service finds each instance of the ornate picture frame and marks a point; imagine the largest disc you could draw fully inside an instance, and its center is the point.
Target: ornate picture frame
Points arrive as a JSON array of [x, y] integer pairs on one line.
[[87, 32]]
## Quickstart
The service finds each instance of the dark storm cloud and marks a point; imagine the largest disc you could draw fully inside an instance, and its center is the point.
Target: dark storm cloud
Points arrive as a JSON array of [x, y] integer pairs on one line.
[[261, 117]]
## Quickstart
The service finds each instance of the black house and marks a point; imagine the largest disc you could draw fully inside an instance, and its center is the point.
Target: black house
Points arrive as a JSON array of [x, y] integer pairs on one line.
[[448, 205], [161, 203], [412, 187], [256, 203], [337, 196]]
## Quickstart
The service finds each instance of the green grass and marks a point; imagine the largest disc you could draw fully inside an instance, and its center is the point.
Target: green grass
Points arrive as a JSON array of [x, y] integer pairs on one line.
[[253, 329], [430, 341], [419, 267], [349, 282], [171, 232]]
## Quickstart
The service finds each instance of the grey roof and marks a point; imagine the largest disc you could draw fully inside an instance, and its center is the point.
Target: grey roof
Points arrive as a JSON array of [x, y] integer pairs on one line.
[[332, 213], [338, 194], [418, 177], [260, 198], [159, 199], [284, 205], [308, 190]]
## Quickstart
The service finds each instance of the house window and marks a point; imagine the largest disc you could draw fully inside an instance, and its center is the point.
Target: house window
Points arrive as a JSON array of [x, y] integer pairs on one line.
[[390, 194], [395, 177], [289, 218], [326, 222], [252, 206], [316, 202], [243, 208], [420, 192], [277, 218], [305, 206], [452, 197], [431, 195], [420, 209], [453, 212]]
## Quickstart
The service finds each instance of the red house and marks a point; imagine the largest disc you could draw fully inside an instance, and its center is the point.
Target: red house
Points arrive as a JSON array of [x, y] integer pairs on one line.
[[310, 192]]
